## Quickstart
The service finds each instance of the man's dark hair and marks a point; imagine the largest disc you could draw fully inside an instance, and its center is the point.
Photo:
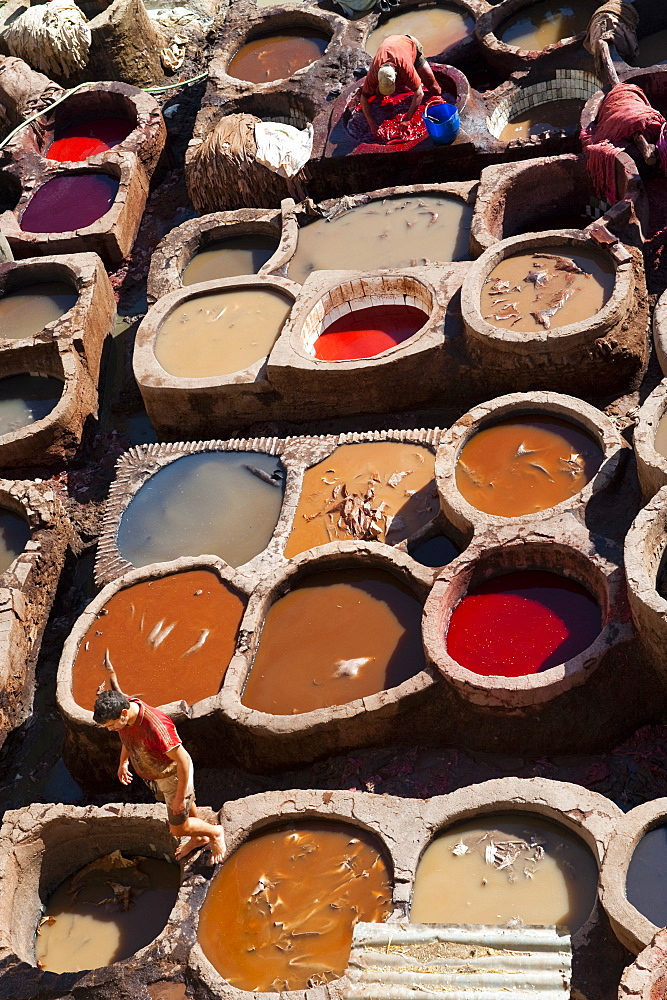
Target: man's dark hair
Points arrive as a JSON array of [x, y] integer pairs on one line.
[[108, 706]]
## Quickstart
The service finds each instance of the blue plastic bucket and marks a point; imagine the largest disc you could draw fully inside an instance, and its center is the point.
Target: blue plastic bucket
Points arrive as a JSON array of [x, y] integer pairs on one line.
[[442, 122]]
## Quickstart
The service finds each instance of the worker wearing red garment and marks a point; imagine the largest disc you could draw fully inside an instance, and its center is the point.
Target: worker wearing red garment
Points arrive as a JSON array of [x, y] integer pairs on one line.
[[398, 63]]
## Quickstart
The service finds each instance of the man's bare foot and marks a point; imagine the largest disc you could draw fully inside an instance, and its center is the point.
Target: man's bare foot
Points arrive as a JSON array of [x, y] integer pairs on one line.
[[217, 847], [189, 846]]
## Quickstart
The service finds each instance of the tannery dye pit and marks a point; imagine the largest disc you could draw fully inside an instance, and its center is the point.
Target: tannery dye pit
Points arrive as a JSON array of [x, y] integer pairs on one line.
[[521, 623], [336, 636], [505, 867], [395, 232], [381, 491], [168, 639], [273, 57], [533, 291], [526, 464], [215, 503], [296, 517], [105, 912], [280, 913]]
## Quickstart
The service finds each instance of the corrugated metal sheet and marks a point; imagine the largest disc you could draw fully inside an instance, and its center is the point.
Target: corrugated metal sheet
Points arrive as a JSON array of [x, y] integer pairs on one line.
[[459, 962]]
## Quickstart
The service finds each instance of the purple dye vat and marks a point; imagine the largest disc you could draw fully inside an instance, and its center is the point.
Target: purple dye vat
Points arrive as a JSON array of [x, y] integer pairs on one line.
[[69, 202]]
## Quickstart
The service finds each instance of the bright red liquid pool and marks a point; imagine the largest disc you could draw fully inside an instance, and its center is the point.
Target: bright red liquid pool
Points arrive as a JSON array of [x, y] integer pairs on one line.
[[522, 623], [79, 141], [367, 332], [69, 202]]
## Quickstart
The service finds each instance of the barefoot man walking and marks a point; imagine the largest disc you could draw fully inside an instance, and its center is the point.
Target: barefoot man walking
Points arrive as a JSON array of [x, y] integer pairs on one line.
[[151, 744]]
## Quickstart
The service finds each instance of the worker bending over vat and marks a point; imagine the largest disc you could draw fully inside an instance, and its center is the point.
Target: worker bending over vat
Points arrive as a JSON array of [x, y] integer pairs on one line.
[[398, 63]]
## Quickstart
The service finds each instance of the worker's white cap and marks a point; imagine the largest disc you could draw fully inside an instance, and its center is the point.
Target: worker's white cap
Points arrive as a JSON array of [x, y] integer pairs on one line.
[[386, 80]]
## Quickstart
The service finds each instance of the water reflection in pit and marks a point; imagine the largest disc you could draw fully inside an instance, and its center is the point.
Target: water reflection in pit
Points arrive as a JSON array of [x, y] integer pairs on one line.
[[437, 28], [26, 310], [546, 22], [377, 491], [212, 503], [335, 637], [106, 912], [277, 56], [646, 880], [464, 875], [169, 639], [230, 258], [25, 399], [14, 533], [280, 913]]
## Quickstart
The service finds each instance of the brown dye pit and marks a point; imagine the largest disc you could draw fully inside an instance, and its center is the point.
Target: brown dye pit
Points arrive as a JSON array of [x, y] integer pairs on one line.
[[505, 867], [335, 637], [230, 258], [275, 57], [525, 464], [380, 491], [14, 534], [280, 913], [437, 28], [221, 333], [106, 912], [168, 640], [542, 118], [395, 232], [546, 22], [537, 290], [25, 311]]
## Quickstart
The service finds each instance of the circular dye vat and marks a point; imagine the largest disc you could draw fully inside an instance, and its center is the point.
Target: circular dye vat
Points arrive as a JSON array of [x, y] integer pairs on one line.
[[380, 491], [278, 56], [437, 28], [279, 914], [26, 310], [69, 202], [559, 114], [522, 623], [551, 877], [365, 333], [221, 333], [170, 639], [546, 22], [646, 880], [652, 49], [333, 638], [435, 552], [230, 258], [216, 503], [27, 398], [106, 912], [83, 139], [396, 232], [526, 464], [538, 290], [568, 218]]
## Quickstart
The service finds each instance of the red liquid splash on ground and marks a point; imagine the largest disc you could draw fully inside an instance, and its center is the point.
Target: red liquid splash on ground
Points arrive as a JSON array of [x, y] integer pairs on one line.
[[78, 142], [69, 202], [522, 623], [368, 332]]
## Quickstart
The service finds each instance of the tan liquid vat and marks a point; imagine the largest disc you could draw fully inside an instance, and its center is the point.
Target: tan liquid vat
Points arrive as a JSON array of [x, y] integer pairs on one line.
[[397, 232], [542, 117], [437, 28], [551, 878], [404, 495], [536, 291], [546, 22], [221, 333]]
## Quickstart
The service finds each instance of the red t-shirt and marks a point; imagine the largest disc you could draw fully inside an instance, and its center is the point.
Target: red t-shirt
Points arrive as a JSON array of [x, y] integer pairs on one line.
[[400, 52], [148, 740]]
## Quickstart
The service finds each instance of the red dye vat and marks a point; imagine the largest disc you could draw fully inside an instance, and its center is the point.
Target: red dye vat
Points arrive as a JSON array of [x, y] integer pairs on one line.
[[69, 202], [522, 623], [79, 141], [368, 332]]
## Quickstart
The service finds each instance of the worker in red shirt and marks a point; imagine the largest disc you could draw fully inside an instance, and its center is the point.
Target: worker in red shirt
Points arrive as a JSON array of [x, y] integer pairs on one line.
[[151, 744], [398, 63]]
